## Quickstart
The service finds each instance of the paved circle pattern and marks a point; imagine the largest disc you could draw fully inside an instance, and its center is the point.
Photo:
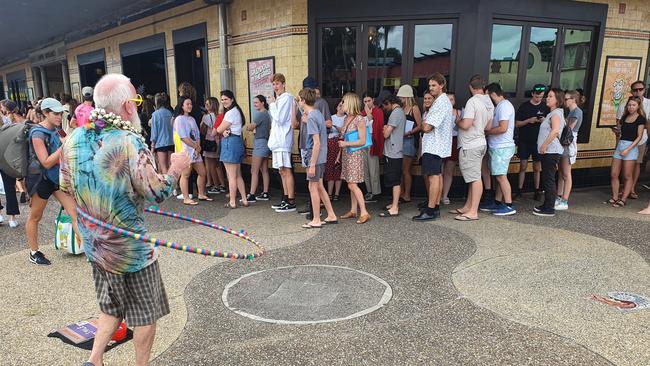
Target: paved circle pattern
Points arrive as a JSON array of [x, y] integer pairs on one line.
[[306, 294]]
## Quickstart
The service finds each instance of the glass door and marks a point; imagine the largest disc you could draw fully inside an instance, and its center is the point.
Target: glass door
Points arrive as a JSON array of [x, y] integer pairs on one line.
[[339, 61]]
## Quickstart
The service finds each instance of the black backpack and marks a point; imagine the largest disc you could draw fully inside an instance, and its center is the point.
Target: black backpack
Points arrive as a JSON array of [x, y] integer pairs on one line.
[[566, 136]]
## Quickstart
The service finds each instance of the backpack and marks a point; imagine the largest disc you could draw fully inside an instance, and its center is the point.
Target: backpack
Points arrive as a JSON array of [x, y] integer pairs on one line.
[[14, 149], [52, 143], [566, 137]]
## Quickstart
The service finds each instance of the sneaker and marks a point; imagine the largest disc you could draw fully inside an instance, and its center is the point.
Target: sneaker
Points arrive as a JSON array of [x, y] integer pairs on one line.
[[263, 197], [180, 196], [251, 198], [305, 211], [2, 219], [561, 204], [370, 198], [222, 189], [214, 190], [546, 212], [38, 258], [446, 201], [489, 206], [504, 210], [23, 197], [13, 224], [278, 205], [288, 207]]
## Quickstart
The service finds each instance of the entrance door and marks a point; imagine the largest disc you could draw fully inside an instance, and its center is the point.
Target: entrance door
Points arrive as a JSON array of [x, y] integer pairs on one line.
[[143, 61], [190, 60]]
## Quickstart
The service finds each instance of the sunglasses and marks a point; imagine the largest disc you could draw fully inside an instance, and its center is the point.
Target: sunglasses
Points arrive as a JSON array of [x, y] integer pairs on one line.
[[539, 90], [638, 89], [137, 100]]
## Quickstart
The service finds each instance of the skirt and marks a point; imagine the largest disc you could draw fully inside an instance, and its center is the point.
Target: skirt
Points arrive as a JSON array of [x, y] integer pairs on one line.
[[332, 169], [352, 166], [232, 150]]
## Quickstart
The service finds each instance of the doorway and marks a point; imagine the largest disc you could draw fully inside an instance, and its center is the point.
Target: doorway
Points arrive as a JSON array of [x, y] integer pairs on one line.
[[91, 73], [147, 71], [190, 63]]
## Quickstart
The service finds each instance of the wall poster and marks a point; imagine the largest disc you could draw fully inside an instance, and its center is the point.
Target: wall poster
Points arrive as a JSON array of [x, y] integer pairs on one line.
[[620, 73]]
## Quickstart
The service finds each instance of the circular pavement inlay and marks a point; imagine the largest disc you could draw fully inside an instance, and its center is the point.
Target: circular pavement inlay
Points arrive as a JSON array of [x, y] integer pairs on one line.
[[306, 294]]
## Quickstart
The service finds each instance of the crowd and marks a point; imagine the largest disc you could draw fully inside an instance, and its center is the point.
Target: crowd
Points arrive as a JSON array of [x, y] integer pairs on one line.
[[107, 159]]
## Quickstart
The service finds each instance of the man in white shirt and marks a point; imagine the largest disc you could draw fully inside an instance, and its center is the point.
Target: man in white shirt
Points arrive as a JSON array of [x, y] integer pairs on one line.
[[478, 113], [281, 141], [501, 148], [436, 145], [638, 89]]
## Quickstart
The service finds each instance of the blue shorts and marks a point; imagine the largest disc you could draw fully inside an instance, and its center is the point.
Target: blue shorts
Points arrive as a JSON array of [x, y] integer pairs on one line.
[[500, 160], [261, 148], [622, 145], [232, 150], [525, 150], [409, 147]]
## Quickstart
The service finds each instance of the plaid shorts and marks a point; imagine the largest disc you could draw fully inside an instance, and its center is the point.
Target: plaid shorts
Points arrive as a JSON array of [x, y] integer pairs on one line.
[[138, 297]]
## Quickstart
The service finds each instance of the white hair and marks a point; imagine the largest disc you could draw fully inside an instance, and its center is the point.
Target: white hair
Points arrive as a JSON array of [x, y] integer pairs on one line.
[[111, 91]]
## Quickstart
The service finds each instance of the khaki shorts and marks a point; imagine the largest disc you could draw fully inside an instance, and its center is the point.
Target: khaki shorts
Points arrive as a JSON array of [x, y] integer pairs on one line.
[[470, 161]]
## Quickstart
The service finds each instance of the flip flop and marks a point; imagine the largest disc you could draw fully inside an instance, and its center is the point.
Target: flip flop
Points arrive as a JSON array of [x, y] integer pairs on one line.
[[610, 201], [465, 218], [331, 222], [310, 226], [402, 200], [191, 203], [388, 214], [456, 211], [208, 199]]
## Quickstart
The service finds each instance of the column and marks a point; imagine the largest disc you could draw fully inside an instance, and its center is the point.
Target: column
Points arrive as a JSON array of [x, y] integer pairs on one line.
[[66, 77], [36, 76], [46, 92]]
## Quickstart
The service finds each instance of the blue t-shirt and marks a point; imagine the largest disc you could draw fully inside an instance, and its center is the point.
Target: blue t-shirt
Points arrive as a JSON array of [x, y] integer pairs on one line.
[[316, 126]]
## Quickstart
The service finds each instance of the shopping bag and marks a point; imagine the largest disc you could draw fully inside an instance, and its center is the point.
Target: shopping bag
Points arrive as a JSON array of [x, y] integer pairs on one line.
[[64, 236]]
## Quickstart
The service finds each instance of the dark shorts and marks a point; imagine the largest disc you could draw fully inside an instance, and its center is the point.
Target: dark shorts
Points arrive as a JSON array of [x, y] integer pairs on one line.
[[431, 164], [40, 185], [525, 150], [138, 297], [169, 148], [320, 169], [392, 172], [454, 150]]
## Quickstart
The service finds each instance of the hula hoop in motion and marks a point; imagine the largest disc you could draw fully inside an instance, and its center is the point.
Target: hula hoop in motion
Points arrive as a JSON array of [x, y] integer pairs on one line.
[[242, 234]]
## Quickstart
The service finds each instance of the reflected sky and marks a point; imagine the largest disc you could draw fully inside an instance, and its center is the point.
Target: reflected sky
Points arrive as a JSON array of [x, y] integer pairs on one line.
[[506, 40], [432, 37]]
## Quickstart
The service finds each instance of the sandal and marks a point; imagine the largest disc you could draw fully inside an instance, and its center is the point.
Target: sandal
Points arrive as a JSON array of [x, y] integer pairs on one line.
[[465, 218], [388, 214], [619, 203], [634, 195], [363, 219], [206, 198], [227, 205], [310, 226], [190, 203], [610, 201], [349, 215], [456, 211]]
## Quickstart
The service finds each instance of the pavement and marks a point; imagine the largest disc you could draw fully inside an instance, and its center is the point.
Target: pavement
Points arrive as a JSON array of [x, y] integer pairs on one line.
[[498, 291]]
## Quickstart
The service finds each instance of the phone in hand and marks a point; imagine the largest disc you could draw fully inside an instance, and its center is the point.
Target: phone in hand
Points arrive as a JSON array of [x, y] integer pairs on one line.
[[61, 133]]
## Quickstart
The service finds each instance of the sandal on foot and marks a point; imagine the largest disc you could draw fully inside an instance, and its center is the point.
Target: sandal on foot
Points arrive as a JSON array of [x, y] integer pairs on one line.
[[310, 226], [227, 205], [388, 214], [465, 218], [363, 219], [619, 203], [206, 198], [331, 222], [456, 211], [610, 201], [190, 203], [349, 215], [634, 195]]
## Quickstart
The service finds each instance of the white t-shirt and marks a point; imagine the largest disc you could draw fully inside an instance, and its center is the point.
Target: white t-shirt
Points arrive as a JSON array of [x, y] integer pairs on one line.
[[646, 109], [481, 110], [504, 111], [337, 122], [234, 118]]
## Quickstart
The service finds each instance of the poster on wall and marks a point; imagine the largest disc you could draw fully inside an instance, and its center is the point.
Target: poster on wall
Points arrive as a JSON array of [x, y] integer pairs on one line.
[[620, 73], [260, 73], [76, 91]]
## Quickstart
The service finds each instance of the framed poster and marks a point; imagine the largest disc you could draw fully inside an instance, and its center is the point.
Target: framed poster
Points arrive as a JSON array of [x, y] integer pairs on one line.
[[30, 94], [260, 74], [76, 91], [620, 73]]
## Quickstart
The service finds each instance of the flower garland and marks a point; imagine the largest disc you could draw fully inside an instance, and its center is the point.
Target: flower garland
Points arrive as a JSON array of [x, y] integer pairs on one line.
[[100, 120]]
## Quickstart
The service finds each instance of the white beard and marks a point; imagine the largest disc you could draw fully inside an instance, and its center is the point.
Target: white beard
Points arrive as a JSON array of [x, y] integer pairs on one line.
[[136, 123]]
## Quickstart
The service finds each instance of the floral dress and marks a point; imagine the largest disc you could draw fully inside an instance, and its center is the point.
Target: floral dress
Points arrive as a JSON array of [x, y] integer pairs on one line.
[[352, 163]]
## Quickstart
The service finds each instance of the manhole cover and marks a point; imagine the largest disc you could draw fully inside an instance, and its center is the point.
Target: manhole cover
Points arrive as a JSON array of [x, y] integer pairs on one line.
[[306, 294]]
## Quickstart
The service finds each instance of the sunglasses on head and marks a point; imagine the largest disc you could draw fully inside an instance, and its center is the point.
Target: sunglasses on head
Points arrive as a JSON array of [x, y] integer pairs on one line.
[[539, 89]]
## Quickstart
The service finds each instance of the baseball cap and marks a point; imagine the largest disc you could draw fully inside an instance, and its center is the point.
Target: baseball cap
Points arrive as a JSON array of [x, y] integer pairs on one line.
[[382, 97], [405, 91], [539, 88], [51, 104], [87, 92], [309, 82]]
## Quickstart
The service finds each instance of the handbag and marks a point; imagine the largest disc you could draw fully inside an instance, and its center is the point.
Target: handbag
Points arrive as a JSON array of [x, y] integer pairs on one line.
[[64, 235], [207, 145], [354, 136]]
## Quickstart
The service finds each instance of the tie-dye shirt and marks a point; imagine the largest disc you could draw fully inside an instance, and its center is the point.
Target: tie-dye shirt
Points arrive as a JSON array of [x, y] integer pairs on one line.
[[112, 175]]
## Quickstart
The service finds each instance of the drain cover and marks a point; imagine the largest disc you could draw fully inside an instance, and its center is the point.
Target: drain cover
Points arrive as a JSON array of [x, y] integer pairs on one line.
[[306, 294]]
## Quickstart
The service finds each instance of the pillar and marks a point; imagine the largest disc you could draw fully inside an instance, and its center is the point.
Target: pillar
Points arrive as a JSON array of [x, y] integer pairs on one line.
[[36, 76], [46, 92], [66, 77]]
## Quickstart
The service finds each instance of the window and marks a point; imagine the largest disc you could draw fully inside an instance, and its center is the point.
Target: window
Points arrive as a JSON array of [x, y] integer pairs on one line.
[[577, 52], [504, 56], [431, 53], [539, 68], [338, 61], [384, 58]]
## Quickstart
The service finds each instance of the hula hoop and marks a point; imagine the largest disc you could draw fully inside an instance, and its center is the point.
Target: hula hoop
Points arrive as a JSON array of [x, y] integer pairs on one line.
[[242, 234]]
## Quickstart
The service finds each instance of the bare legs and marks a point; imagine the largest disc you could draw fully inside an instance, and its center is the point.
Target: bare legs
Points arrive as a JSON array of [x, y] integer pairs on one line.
[[317, 193], [447, 177], [259, 165], [163, 161], [357, 200], [470, 209], [565, 180], [407, 178], [287, 182], [235, 183], [537, 169], [334, 187], [143, 337], [185, 178]]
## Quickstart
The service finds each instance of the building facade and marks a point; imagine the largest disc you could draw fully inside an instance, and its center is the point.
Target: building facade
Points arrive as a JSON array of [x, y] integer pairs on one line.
[[599, 46]]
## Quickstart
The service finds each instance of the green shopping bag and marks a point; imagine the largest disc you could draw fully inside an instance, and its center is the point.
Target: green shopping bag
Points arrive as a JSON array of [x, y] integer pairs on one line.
[[64, 236]]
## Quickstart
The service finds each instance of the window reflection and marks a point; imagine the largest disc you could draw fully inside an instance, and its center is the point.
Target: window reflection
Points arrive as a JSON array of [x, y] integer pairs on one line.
[[339, 65], [384, 58], [575, 62], [504, 56], [431, 53], [540, 56]]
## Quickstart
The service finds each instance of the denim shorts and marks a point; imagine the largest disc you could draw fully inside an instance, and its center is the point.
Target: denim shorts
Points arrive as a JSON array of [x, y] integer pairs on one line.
[[409, 147], [232, 150], [261, 148], [622, 145]]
